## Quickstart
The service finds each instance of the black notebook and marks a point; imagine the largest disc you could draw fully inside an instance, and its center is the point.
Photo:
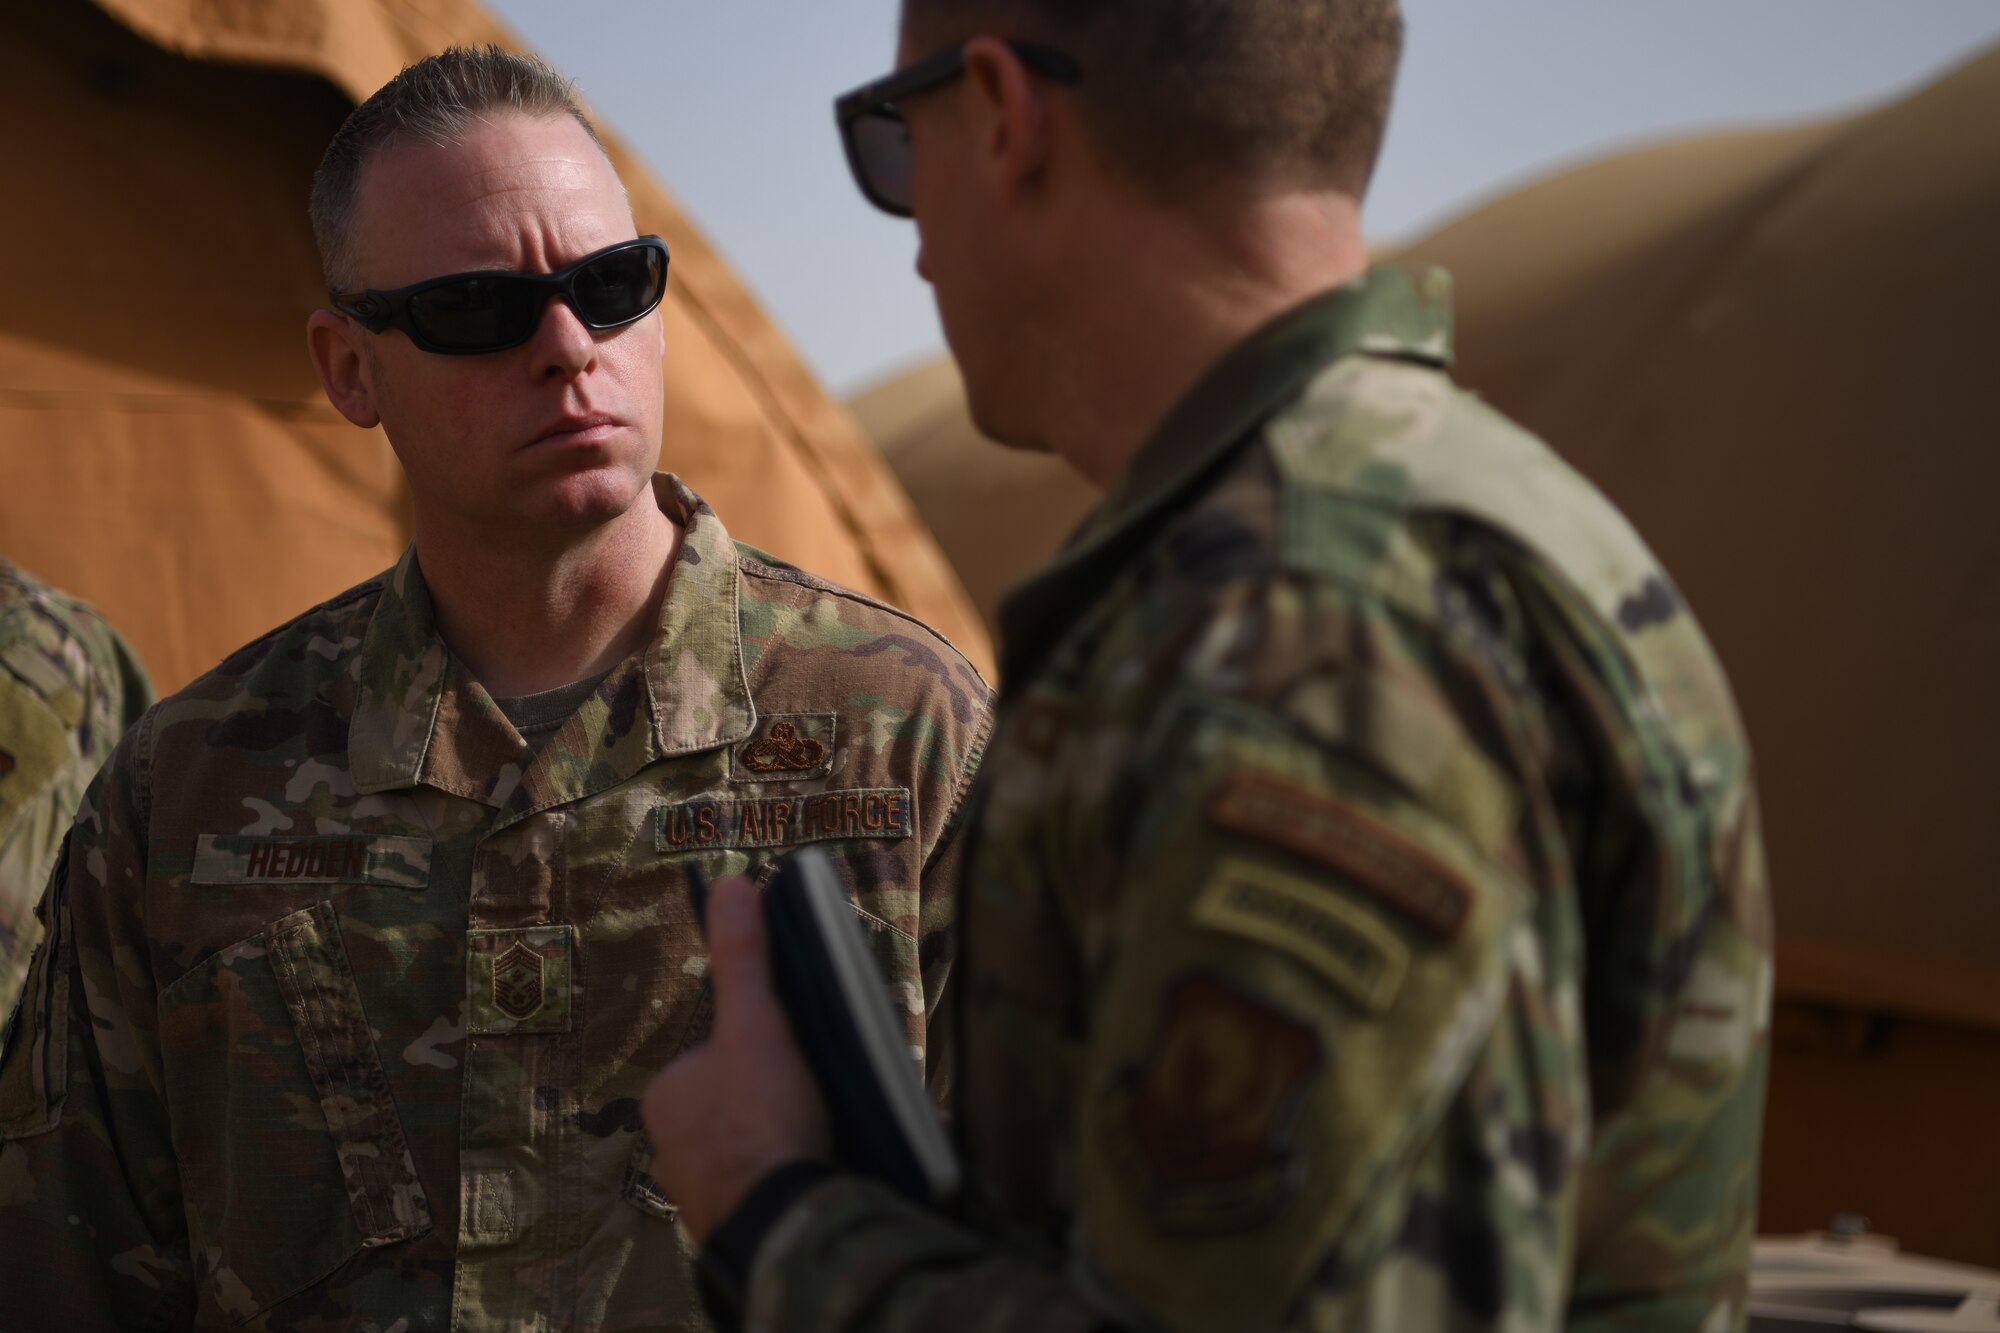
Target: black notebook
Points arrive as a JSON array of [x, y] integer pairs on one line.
[[884, 1124]]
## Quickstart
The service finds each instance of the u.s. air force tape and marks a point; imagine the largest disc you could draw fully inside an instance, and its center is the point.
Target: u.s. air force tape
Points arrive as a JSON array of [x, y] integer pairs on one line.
[[782, 821]]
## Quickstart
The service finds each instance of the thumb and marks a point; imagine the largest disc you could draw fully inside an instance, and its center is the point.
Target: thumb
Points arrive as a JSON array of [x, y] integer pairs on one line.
[[739, 961]]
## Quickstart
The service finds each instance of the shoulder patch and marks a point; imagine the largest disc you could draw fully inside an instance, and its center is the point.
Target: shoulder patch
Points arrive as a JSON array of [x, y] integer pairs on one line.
[[1363, 957], [1376, 857], [1203, 1128]]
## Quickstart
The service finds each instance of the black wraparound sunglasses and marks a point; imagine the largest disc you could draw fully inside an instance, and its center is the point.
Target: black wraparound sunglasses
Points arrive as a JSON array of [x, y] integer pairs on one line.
[[466, 314], [871, 119]]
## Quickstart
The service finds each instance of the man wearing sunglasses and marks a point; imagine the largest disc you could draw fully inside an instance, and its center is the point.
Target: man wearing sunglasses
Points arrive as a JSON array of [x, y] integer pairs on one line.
[[1364, 921], [370, 939]]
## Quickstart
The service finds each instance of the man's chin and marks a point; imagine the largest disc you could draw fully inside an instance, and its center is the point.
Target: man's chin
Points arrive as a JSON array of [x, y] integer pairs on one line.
[[581, 499], [599, 496]]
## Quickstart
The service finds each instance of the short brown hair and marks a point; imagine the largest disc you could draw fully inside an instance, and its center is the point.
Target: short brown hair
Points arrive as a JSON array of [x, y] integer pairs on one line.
[[436, 100], [1178, 92]]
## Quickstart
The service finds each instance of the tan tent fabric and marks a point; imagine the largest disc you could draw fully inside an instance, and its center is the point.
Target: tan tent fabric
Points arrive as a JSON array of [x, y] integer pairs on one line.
[[997, 513], [164, 450]]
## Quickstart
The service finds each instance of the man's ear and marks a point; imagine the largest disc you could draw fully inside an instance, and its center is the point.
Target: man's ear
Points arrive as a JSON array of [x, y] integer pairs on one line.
[[1012, 113], [344, 371]]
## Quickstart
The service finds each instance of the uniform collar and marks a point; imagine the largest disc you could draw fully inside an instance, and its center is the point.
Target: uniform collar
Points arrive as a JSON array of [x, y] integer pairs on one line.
[[420, 717], [1402, 313]]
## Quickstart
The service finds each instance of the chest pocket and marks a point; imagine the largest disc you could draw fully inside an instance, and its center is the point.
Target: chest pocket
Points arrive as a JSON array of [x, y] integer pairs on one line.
[[292, 1154]]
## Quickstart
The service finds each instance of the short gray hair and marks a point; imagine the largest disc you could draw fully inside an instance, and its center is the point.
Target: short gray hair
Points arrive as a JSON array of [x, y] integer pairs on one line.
[[435, 101]]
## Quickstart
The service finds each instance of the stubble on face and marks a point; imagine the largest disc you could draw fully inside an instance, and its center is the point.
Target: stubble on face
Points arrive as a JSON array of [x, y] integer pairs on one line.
[[540, 442]]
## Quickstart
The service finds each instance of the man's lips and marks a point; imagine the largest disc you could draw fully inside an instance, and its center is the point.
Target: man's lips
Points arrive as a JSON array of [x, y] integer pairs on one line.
[[594, 428]]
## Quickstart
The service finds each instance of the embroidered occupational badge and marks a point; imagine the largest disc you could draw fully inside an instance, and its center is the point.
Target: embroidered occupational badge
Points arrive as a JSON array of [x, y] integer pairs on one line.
[[1203, 1128], [791, 747], [517, 982]]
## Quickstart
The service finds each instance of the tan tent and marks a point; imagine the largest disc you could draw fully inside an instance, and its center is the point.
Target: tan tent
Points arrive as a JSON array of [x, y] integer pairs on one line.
[[997, 512], [164, 449], [1772, 350]]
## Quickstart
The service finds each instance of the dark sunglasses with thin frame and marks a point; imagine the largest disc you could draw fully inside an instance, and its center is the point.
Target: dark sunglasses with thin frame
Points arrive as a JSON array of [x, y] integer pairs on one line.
[[871, 118], [467, 314]]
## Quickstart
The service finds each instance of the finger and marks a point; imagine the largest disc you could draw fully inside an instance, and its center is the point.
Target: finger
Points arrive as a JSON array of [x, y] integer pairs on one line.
[[707, 896], [735, 924]]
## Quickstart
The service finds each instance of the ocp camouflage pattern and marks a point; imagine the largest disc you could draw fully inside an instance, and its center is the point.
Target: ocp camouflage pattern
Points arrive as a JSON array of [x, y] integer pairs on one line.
[[69, 686], [1365, 920], [353, 994]]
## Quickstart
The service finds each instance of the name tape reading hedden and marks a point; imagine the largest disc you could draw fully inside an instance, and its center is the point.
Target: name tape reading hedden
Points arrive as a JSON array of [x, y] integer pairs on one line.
[[255, 859], [307, 860], [780, 821]]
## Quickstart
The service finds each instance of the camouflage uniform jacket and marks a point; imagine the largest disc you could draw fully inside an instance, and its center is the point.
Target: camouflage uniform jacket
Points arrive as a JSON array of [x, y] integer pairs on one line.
[[349, 1000], [69, 686], [1365, 922]]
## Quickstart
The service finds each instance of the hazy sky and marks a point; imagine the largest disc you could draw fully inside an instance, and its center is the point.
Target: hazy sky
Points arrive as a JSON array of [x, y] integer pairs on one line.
[[730, 101]]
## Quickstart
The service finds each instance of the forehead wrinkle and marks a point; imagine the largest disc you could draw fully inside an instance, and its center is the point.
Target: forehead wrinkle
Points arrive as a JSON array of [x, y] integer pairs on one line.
[[494, 179], [563, 172]]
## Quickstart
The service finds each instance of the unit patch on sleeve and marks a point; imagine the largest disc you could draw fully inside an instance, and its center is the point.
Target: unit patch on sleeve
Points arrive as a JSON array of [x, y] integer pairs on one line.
[[1374, 856], [1359, 953], [1204, 1126], [787, 747], [781, 821]]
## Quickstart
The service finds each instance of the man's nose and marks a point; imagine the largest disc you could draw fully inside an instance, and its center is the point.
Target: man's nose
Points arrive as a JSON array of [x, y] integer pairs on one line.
[[563, 347]]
